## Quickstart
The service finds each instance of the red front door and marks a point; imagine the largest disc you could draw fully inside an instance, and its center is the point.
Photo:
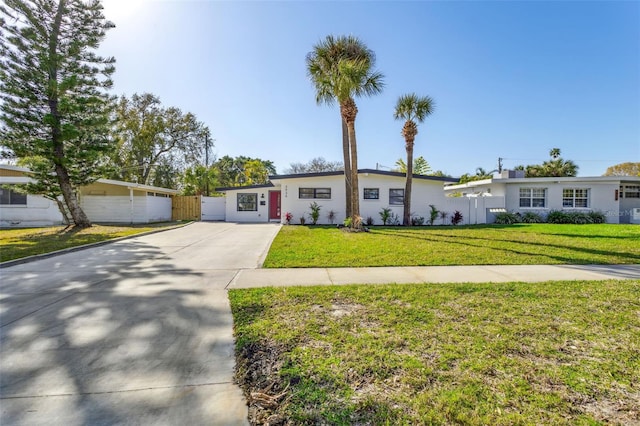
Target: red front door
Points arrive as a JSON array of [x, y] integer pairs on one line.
[[274, 205]]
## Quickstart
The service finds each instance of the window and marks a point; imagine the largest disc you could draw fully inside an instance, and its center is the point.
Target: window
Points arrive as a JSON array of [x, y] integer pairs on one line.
[[12, 198], [575, 198], [247, 202], [631, 191], [396, 196], [533, 197], [324, 193], [371, 193]]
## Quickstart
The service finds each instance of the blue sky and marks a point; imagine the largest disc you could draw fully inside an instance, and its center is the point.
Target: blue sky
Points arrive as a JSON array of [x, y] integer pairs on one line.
[[510, 79]]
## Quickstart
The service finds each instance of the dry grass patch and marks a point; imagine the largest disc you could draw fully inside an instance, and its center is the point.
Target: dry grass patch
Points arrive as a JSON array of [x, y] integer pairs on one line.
[[515, 353]]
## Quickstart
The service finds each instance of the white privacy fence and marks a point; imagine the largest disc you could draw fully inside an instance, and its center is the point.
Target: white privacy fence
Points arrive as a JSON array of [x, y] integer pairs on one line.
[[474, 210], [213, 208]]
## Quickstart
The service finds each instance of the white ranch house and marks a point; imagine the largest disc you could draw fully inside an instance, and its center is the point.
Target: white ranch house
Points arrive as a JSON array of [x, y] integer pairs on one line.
[[104, 201], [617, 197]]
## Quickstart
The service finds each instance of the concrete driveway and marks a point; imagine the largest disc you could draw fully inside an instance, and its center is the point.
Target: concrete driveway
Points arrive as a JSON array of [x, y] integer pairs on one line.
[[134, 332]]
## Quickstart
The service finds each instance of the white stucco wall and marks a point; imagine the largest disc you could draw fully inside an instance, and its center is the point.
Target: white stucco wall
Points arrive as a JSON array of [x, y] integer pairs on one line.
[[425, 192], [261, 215], [38, 211], [601, 198]]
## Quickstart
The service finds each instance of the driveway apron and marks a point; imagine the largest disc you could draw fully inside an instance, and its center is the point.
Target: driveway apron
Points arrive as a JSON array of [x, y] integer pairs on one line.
[[134, 332]]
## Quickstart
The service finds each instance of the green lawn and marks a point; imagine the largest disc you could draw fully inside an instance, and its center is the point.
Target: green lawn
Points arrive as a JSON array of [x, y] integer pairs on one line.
[[323, 246], [18, 243], [476, 354]]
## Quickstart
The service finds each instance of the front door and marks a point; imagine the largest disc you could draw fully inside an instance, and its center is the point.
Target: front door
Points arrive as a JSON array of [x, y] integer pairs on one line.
[[274, 205]]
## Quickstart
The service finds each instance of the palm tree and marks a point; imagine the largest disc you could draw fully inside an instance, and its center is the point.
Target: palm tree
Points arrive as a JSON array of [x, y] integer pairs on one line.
[[341, 69], [411, 109]]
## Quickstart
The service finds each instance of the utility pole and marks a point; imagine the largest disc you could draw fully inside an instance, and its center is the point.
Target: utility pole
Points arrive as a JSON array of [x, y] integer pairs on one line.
[[206, 161], [500, 165]]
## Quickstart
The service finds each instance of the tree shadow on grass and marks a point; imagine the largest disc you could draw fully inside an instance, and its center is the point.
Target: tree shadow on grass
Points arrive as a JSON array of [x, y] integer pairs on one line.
[[466, 241], [111, 344]]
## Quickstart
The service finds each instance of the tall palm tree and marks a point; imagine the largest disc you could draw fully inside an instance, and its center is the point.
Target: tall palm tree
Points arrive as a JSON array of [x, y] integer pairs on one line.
[[413, 110], [341, 69]]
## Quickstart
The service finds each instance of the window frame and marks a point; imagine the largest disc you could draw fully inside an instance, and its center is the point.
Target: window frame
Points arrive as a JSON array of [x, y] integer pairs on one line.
[[314, 193], [366, 193], [569, 201], [247, 194], [630, 191], [535, 201], [395, 197], [14, 198]]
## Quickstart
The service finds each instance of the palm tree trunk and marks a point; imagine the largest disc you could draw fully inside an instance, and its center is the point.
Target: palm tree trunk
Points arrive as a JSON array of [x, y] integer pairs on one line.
[[406, 217], [355, 194], [347, 167]]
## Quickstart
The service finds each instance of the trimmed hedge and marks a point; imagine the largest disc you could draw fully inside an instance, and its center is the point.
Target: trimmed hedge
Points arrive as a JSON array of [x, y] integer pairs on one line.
[[554, 216]]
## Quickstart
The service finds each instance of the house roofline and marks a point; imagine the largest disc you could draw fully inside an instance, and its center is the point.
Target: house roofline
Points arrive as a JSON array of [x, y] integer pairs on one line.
[[237, 188], [360, 172], [589, 179]]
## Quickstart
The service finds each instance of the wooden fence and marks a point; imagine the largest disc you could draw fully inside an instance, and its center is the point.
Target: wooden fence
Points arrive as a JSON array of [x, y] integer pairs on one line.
[[186, 207]]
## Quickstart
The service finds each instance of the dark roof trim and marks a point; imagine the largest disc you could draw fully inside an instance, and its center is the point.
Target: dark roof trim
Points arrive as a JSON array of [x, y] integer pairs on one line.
[[235, 188], [363, 171]]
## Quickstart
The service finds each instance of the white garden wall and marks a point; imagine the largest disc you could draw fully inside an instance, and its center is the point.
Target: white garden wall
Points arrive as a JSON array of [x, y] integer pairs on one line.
[[38, 211]]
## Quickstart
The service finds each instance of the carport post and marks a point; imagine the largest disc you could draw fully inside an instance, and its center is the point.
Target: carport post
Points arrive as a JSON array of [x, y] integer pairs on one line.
[[131, 204]]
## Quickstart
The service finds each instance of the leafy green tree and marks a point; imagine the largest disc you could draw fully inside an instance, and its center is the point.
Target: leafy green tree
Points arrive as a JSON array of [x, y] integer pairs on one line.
[[155, 144], [623, 169], [198, 180], [555, 167], [53, 88], [413, 110], [242, 171], [420, 166], [316, 165], [481, 174], [341, 69]]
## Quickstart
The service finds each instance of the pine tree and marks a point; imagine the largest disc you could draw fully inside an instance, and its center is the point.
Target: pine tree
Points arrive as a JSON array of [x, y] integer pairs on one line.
[[53, 91]]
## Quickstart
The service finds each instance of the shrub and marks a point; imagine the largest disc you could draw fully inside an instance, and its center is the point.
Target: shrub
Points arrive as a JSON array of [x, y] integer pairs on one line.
[[302, 220], [576, 218], [347, 222], [385, 215], [369, 221], [443, 216], [433, 214], [506, 218], [331, 216], [394, 220], [288, 217], [315, 212], [456, 219], [531, 217], [598, 217], [417, 220], [558, 216]]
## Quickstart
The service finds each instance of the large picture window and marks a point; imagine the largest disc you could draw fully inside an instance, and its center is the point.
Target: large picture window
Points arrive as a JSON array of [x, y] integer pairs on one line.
[[575, 198], [533, 197], [396, 196], [311, 193], [372, 193], [9, 197], [247, 202]]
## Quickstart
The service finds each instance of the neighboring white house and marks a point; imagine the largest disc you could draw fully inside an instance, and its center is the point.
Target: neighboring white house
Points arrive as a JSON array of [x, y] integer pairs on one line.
[[106, 201], [295, 193], [618, 197]]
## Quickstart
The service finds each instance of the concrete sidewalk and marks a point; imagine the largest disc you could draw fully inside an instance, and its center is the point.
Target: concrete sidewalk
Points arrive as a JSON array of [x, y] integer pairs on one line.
[[248, 278]]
